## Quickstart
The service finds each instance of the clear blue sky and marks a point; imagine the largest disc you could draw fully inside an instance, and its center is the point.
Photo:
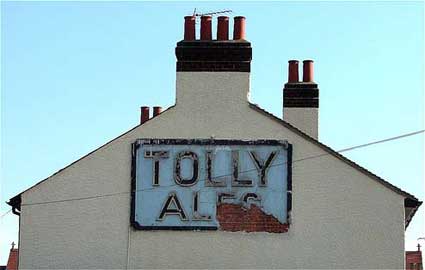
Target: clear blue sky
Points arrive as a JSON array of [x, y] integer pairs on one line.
[[73, 76]]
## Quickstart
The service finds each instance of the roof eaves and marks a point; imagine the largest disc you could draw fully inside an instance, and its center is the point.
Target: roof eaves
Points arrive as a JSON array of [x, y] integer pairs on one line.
[[412, 213]]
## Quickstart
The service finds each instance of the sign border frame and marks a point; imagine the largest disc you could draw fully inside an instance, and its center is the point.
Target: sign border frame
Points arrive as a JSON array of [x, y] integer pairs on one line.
[[136, 145]]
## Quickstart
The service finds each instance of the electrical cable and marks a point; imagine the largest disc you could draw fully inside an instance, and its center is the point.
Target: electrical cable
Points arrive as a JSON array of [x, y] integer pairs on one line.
[[4, 214], [78, 199], [307, 158]]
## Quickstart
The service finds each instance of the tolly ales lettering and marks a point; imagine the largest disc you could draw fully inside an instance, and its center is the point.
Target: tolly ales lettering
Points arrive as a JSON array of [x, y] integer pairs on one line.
[[205, 184]]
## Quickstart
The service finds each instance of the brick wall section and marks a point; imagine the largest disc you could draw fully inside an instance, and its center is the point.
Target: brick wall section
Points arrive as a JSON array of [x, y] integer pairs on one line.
[[301, 95], [233, 217], [213, 56]]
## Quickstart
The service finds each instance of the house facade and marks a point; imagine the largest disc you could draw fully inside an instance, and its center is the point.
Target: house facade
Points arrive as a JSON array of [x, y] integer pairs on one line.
[[216, 182]]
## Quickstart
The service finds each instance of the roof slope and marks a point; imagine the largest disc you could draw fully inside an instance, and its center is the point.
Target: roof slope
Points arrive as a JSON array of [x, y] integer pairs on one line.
[[413, 257], [411, 203], [410, 200], [12, 262]]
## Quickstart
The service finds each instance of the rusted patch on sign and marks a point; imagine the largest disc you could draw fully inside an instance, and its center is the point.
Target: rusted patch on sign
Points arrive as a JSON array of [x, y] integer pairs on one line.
[[234, 217]]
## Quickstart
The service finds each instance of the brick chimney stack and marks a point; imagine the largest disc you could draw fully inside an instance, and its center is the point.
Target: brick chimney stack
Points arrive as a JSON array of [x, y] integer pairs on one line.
[[211, 55], [213, 60], [301, 99]]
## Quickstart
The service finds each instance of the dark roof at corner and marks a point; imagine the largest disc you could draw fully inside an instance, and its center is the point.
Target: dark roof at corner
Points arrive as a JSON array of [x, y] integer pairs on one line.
[[410, 200]]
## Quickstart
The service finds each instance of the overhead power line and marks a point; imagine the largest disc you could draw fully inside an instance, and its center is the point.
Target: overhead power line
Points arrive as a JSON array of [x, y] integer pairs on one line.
[[308, 157], [5, 213], [278, 164], [79, 199], [381, 141]]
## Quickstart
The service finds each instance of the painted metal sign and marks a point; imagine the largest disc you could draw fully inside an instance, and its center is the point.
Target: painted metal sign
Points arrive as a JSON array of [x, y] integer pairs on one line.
[[206, 184]]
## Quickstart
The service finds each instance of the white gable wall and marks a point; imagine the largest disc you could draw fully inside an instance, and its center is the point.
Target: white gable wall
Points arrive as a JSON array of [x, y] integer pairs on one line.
[[305, 119], [340, 217]]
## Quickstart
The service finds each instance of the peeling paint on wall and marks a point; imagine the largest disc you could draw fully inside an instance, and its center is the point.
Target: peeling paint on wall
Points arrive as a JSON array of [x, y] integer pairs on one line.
[[233, 217]]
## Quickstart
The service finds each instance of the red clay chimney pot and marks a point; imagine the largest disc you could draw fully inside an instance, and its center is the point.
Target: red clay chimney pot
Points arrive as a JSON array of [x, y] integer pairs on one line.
[[308, 71], [239, 28], [144, 114], [189, 28], [293, 76], [223, 28], [206, 28], [156, 110]]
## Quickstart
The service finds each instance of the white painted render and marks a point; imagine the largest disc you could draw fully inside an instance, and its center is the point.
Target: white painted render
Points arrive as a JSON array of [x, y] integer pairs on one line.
[[340, 217], [305, 119]]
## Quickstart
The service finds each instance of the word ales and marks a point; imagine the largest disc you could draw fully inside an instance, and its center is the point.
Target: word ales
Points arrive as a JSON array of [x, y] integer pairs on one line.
[[178, 183]]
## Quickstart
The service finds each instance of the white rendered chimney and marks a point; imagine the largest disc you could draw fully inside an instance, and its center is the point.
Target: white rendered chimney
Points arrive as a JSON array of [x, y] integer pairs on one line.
[[301, 99]]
